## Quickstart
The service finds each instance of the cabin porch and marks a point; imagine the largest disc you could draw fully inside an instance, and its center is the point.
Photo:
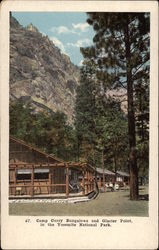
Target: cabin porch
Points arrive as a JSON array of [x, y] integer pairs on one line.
[[50, 180]]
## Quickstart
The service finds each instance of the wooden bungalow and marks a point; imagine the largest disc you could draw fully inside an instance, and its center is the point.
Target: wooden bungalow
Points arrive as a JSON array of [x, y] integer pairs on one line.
[[104, 178], [122, 178], [33, 173]]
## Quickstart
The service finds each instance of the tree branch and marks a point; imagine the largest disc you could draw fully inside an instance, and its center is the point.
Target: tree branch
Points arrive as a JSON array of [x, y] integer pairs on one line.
[[120, 95], [138, 43], [121, 83], [139, 67]]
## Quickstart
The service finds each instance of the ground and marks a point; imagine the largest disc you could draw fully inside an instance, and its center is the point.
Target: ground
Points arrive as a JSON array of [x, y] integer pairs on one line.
[[106, 204]]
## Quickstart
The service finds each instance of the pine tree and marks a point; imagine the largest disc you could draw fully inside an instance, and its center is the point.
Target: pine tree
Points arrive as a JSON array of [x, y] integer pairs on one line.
[[142, 125], [100, 124], [20, 120], [85, 118], [120, 55], [46, 130], [112, 131]]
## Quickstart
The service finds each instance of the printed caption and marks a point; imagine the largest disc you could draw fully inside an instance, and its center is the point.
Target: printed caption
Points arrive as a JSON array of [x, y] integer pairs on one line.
[[66, 222]]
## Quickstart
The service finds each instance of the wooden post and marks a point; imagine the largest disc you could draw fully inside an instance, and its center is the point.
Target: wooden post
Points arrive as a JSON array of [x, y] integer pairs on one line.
[[15, 181], [100, 183], [86, 175], [113, 180], [91, 181], [50, 177], [89, 188], [94, 183], [67, 180], [103, 170], [83, 182], [32, 180]]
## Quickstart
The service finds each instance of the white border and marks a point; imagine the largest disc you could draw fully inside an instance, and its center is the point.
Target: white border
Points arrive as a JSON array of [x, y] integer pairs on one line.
[[143, 233]]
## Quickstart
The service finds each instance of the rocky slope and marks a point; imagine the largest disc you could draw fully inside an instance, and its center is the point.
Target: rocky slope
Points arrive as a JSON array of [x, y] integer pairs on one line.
[[39, 73]]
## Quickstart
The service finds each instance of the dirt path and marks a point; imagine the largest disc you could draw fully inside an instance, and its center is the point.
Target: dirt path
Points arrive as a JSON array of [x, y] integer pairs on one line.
[[106, 204]]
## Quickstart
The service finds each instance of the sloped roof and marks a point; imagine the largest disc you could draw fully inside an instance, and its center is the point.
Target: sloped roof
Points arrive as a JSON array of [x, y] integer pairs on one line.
[[121, 173], [106, 171], [35, 149], [71, 164]]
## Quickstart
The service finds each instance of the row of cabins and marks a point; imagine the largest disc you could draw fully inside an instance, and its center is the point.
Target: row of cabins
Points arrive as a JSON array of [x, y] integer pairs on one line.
[[106, 177], [33, 173]]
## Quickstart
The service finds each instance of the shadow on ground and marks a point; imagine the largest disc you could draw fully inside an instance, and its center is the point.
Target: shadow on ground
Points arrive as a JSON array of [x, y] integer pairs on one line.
[[143, 197]]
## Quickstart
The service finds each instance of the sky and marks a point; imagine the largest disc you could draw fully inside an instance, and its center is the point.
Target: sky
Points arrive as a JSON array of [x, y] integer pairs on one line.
[[68, 30]]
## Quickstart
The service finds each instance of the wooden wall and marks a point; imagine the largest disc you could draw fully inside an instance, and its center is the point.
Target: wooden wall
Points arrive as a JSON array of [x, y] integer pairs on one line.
[[25, 157]]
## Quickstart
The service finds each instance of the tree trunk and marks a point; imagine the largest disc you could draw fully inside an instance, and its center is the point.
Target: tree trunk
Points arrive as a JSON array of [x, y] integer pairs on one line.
[[131, 123], [115, 160], [115, 166], [103, 170]]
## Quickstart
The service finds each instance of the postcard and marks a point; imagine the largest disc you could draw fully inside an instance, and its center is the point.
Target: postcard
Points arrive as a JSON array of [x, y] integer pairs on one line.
[[79, 132]]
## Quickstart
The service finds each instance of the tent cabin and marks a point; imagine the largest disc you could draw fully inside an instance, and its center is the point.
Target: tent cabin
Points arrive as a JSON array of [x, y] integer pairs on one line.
[[33, 173], [122, 178], [108, 177]]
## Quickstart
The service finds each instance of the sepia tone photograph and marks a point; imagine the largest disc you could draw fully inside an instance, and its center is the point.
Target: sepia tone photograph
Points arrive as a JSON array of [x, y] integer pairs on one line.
[[79, 113]]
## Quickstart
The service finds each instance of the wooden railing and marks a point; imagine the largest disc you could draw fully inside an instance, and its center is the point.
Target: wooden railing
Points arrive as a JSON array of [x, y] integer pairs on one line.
[[28, 189], [31, 186]]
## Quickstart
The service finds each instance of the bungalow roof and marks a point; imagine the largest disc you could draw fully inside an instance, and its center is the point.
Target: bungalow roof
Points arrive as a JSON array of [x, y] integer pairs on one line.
[[122, 173], [60, 162], [106, 171], [31, 147]]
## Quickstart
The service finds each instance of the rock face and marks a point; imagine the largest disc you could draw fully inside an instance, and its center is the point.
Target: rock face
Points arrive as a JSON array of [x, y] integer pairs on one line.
[[39, 73]]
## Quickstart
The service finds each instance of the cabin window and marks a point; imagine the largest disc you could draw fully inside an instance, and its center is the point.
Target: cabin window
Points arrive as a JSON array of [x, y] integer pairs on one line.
[[23, 177], [41, 176], [25, 174]]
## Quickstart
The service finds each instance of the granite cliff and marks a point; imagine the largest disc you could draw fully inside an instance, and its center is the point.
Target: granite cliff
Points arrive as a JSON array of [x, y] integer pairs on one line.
[[39, 73]]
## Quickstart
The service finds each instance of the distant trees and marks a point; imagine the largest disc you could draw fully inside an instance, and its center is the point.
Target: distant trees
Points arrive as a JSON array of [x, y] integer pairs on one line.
[[142, 125], [85, 119], [48, 131], [101, 125], [20, 120], [112, 129], [120, 56]]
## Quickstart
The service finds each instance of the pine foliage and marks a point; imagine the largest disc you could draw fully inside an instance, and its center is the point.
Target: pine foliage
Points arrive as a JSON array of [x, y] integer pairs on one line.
[[48, 131], [120, 55]]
